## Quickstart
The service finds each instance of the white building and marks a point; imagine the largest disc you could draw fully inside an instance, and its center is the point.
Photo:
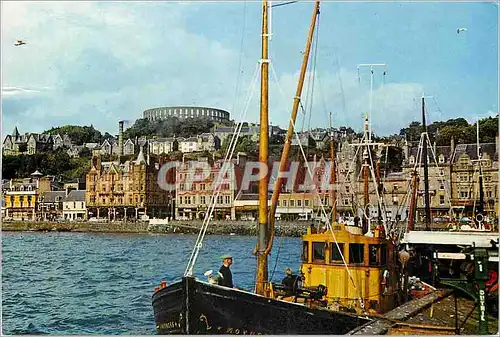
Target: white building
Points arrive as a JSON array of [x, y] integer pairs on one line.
[[74, 205]]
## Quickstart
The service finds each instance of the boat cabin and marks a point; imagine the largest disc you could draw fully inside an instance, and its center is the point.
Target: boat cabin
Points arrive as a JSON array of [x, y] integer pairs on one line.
[[352, 266]]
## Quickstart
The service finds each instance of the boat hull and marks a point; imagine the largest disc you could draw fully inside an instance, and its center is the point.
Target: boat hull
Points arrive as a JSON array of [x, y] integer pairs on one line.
[[194, 307]]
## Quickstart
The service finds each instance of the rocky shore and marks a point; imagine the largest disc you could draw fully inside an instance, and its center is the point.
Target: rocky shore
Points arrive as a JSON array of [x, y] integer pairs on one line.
[[289, 229]]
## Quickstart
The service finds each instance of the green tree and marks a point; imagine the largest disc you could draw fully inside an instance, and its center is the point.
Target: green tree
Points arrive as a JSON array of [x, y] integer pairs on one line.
[[244, 144], [79, 135], [412, 132]]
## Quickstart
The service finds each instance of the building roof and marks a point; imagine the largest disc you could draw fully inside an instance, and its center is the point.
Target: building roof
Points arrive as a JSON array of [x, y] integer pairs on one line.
[[440, 150], [471, 151], [76, 195], [51, 196]]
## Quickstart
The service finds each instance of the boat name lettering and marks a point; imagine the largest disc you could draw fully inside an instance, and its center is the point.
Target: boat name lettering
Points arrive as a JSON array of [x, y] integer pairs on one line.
[[236, 331], [482, 306], [169, 325]]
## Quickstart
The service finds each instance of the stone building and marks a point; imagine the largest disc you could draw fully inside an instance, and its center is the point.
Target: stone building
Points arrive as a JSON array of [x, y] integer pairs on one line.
[[127, 190], [185, 112], [440, 182], [466, 168], [193, 197], [32, 143]]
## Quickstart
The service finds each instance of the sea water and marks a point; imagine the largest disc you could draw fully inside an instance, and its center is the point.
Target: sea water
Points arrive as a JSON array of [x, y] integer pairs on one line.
[[86, 283]]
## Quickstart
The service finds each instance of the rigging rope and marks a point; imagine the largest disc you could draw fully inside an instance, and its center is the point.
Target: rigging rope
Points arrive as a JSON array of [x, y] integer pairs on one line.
[[240, 70], [215, 193], [316, 194]]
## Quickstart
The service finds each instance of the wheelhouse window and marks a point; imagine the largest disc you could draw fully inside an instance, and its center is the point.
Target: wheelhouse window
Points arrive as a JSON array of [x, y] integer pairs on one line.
[[356, 253], [305, 251], [336, 256], [318, 252], [374, 255], [377, 255]]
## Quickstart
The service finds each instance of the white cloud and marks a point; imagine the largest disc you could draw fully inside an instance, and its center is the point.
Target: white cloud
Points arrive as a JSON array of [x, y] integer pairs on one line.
[[110, 61], [393, 104]]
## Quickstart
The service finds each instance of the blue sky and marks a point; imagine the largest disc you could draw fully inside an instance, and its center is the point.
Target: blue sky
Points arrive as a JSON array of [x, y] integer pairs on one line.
[[96, 63]]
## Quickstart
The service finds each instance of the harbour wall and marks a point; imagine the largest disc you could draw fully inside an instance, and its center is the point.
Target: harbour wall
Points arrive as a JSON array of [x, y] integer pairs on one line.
[[290, 229]]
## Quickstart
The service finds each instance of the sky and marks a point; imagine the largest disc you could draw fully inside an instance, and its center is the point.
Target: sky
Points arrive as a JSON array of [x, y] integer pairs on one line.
[[100, 62]]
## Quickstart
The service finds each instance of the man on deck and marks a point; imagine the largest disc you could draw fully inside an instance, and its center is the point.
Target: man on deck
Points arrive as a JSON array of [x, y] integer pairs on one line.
[[225, 275]]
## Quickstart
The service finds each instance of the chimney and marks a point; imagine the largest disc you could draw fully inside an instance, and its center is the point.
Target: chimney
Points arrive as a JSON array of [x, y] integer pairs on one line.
[[120, 137], [241, 159], [452, 146]]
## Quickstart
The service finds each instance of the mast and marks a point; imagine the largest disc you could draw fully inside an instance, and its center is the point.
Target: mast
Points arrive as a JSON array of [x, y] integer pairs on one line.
[[426, 171], [413, 200], [380, 189], [333, 173], [289, 133], [366, 173], [262, 272]]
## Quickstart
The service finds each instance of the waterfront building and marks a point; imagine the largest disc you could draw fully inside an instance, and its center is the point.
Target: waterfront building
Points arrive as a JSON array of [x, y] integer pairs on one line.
[[193, 198], [454, 177], [21, 196], [465, 177], [74, 207], [128, 190]]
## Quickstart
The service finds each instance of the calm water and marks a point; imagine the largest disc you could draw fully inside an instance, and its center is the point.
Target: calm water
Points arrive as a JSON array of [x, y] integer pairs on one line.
[[82, 283]]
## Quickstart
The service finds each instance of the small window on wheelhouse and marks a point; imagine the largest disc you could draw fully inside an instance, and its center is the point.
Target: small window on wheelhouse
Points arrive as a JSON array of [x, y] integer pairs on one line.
[[305, 251], [318, 252], [336, 252], [374, 254], [356, 252]]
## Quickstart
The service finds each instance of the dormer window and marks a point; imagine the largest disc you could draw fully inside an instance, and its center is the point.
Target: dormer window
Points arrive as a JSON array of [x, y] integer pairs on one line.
[[412, 160], [441, 159]]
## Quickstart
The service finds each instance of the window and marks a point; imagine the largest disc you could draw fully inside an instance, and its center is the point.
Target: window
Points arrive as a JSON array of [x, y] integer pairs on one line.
[[284, 203], [306, 203], [346, 202], [374, 255], [318, 251], [356, 252], [441, 199], [292, 203], [336, 254], [228, 199], [299, 203], [202, 200], [219, 199], [305, 251]]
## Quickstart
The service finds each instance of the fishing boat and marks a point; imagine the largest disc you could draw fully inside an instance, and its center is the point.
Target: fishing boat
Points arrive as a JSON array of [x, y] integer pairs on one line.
[[193, 306]]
